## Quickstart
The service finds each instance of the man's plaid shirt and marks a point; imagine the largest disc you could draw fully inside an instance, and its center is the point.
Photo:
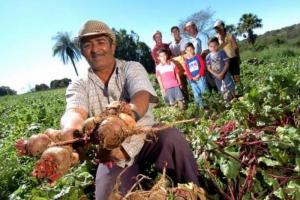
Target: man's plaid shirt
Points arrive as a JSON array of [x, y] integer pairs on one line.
[[93, 96]]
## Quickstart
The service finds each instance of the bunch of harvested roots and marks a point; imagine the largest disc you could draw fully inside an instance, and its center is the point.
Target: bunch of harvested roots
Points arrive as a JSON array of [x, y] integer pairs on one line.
[[107, 130], [54, 161], [161, 190]]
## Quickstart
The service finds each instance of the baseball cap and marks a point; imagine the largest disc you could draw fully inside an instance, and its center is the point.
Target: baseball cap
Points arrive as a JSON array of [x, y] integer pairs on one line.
[[94, 27], [218, 23]]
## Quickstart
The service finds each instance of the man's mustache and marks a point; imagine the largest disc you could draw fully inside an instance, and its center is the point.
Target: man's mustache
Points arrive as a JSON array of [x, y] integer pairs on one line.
[[96, 54]]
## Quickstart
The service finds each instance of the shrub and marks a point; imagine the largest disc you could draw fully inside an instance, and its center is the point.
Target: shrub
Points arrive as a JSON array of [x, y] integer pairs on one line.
[[288, 53], [279, 41]]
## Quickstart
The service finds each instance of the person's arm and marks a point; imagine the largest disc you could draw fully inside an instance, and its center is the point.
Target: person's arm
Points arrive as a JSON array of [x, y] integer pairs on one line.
[[140, 102], [234, 45], [162, 90], [72, 120], [211, 71], [158, 76], [179, 80], [177, 72], [130, 147], [202, 66], [208, 64], [187, 71], [226, 65], [141, 93], [225, 69], [76, 109]]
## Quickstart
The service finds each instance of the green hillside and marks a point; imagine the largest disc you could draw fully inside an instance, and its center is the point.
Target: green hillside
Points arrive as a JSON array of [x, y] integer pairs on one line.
[[281, 42]]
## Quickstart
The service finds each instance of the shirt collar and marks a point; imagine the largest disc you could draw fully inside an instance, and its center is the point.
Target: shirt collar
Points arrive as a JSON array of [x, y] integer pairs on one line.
[[96, 79]]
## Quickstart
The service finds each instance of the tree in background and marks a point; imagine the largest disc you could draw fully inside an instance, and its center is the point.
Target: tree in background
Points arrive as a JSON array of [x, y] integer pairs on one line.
[[66, 49], [130, 48], [247, 23], [41, 87], [5, 90], [144, 57], [231, 28], [60, 83], [203, 20]]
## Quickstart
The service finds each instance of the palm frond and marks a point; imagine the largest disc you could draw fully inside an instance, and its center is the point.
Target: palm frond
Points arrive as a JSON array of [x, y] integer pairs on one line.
[[65, 48]]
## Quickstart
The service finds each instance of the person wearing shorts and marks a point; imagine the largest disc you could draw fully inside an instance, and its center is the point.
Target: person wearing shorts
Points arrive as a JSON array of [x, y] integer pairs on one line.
[[169, 79]]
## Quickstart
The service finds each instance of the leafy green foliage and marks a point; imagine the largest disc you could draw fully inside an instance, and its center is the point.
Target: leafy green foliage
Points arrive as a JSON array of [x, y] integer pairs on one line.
[[260, 156], [129, 47], [245, 148], [66, 49], [22, 116], [247, 23]]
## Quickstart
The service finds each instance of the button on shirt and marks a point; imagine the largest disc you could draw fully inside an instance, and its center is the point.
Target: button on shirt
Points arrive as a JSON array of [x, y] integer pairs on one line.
[[91, 94]]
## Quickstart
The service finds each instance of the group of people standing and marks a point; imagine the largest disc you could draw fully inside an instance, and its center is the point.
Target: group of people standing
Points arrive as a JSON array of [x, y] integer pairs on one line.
[[183, 62]]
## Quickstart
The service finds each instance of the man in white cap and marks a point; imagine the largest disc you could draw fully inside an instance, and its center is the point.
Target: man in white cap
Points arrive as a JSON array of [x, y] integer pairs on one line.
[[192, 30], [110, 79]]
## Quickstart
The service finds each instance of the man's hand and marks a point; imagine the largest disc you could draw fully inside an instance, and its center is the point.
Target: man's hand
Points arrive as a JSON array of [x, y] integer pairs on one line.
[[72, 120], [109, 158], [119, 154], [219, 76], [196, 78]]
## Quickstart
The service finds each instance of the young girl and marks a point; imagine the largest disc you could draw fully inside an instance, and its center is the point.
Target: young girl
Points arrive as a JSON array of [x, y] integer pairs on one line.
[[169, 80], [195, 70], [217, 65]]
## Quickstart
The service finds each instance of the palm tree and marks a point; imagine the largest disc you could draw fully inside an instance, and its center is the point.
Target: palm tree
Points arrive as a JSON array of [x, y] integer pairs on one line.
[[247, 23], [66, 49]]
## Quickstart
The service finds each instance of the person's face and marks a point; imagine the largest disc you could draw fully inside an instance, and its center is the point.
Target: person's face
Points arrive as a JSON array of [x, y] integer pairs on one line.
[[175, 33], [219, 29], [162, 57], [98, 51], [213, 47], [191, 30], [158, 38], [190, 51]]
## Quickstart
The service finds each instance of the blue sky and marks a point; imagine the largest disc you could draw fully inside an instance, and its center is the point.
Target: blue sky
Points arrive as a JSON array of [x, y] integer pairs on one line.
[[27, 27]]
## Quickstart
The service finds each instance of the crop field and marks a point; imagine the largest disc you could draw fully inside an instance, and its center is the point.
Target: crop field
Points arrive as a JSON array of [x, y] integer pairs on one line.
[[248, 148]]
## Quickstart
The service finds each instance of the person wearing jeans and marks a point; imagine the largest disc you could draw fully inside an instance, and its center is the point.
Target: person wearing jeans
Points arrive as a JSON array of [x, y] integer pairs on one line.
[[199, 87], [195, 71], [108, 80]]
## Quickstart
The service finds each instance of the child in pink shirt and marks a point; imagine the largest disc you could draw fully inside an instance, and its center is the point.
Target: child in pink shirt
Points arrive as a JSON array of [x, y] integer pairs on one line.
[[169, 80]]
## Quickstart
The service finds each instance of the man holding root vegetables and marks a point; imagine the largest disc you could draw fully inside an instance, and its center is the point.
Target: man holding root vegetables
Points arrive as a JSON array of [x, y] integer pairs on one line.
[[109, 80]]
